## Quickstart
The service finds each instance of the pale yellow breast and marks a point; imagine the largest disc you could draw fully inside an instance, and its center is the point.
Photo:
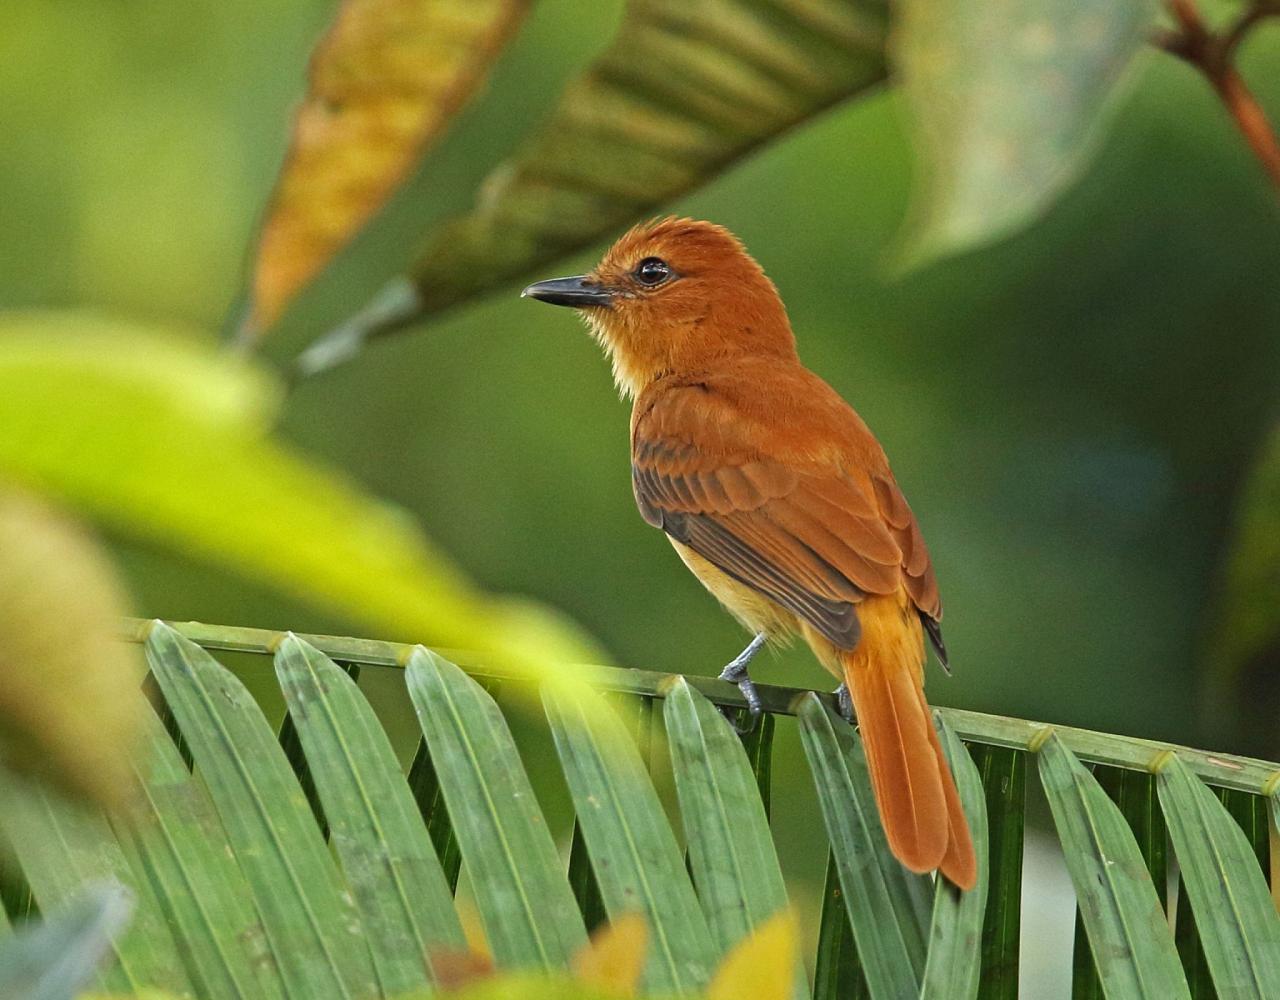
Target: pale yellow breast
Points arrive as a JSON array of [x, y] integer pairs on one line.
[[756, 612]]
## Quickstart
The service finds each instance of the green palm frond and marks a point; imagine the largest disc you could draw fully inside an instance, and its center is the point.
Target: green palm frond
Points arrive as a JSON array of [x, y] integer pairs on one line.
[[319, 868]]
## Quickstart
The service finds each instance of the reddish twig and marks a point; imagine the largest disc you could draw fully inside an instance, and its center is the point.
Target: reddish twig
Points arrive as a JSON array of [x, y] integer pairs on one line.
[[1214, 56]]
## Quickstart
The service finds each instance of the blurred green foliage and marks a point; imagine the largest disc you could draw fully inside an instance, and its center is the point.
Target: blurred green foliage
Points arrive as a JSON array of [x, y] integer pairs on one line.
[[1071, 412]]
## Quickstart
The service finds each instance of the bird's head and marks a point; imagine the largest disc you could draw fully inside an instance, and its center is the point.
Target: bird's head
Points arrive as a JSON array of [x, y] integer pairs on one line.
[[675, 296]]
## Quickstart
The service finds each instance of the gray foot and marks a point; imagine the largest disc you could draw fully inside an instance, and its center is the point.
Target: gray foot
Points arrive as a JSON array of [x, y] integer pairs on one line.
[[735, 672], [844, 701]]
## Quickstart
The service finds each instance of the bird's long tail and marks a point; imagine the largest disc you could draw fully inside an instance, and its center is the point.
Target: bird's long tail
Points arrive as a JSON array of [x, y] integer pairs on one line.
[[919, 805]]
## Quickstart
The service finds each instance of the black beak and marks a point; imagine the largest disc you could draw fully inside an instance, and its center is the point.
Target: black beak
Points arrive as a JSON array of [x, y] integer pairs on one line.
[[577, 291]]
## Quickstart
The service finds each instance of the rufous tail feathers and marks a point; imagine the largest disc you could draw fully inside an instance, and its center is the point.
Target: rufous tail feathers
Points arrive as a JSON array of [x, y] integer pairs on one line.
[[916, 794]]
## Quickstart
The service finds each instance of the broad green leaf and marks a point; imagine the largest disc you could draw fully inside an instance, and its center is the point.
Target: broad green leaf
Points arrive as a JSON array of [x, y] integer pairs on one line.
[[54, 959], [836, 973], [954, 962], [404, 901], [1132, 945], [1004, 780], [68, 709], [1135, 793], [306, 908], [158, 438], [64, 848], [682, 91], [179, 845], [384, 82], [1238, 925], [888, 906], [586, 890], [1006, 103], [734, 863], [638, 864], [529, 915]]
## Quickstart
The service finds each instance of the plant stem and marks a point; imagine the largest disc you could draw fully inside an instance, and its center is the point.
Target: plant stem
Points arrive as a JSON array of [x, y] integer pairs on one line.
[[1213, 55], [1224, 770]]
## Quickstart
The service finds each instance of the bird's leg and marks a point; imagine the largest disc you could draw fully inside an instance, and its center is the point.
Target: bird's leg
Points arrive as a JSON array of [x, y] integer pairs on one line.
[[735, 672], [845, 703]]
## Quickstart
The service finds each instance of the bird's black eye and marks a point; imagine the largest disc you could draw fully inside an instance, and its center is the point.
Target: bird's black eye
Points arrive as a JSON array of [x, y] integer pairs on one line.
[[652, 271]]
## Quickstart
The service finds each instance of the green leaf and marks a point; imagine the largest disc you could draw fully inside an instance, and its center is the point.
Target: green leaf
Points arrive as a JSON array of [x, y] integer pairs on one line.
[[837, 975], [682, 91], [735, 865], [123, 423], [1004, 781], [62, 848], [1238, 925], [56, 958], [528, 912], [586, 890], [1135, 794], [1130, 938], [638, 864], [734, 861], [179, 845], [400, 890], [888, 906], [305, 906], [952, 969], [1006, 104]]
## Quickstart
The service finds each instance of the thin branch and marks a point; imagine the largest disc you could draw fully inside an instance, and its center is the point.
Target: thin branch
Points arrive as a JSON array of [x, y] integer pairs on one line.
[[1214, 56]]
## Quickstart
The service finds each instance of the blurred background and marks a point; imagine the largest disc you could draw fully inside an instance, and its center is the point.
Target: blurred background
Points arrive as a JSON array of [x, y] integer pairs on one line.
[[1070, 412]]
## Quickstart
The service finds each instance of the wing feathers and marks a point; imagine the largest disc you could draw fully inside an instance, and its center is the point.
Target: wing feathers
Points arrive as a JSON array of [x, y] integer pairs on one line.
[[808, 535]]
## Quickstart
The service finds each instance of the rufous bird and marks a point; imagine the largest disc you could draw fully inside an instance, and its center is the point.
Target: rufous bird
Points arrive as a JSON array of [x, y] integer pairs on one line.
[[780, 500]]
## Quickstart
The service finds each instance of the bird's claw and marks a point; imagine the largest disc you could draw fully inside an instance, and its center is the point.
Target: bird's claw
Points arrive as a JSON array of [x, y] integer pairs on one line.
[[844, 702], [736, 673]]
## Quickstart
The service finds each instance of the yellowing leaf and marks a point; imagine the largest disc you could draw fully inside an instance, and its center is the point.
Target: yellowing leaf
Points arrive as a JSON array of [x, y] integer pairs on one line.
[[144, 448], [68, 686], [384, 82], [762, 966], [682, 91], [614, 958]]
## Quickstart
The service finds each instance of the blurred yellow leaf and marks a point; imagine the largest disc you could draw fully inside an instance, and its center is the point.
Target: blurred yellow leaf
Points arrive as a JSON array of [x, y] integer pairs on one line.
[[521, 986], [68, 686], [762, 966], [614, 958], [383, 83], [163, 440]]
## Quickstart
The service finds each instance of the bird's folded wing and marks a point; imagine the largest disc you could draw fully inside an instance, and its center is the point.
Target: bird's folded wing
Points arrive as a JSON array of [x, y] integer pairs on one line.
[[812, 539]]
